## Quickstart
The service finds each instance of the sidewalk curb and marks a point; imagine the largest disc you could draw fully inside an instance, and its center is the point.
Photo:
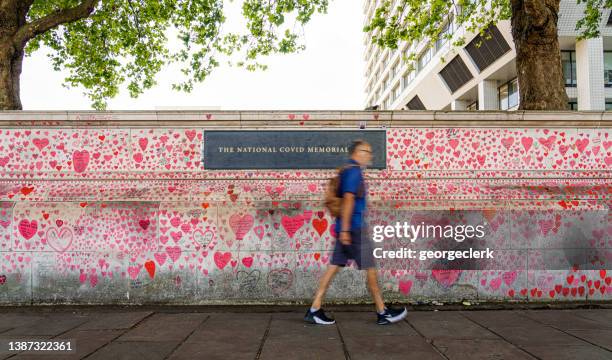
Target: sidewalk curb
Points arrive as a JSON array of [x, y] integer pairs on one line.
[[268, 308]]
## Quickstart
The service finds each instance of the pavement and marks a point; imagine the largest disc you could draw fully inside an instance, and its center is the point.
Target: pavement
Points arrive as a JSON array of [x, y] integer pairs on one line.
[[245, 332]]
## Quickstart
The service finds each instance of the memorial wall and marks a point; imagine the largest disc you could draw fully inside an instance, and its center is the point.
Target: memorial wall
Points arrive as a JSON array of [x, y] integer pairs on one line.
[[181, 207]]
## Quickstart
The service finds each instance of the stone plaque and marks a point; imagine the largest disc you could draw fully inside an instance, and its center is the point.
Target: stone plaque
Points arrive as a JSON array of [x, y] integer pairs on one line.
[[287, 149]]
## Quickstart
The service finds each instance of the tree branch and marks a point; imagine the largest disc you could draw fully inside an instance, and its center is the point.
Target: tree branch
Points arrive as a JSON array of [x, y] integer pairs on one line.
[[63, 16]]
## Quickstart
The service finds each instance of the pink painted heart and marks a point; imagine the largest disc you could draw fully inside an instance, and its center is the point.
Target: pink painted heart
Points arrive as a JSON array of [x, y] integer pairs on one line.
[[495, 283], [507, 142], [176, 235], [446, 277], [133, 271], [259, 231], [292, 224], [40, 143], [320, 225], [222, 259], [509, 277], [59, 240], [161, 258], [247, 261], [548, 142], [144, 223], [546, 225], [143, 143], [203, 238], [527, 142], [190, 134], [80, 159], [581, 144], [405, 286], [241, 225], [174, 252], [27, 228]]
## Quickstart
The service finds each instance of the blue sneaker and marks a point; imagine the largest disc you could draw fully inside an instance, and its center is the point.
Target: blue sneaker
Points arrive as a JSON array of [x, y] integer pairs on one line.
[[318, 317], [391, 316]]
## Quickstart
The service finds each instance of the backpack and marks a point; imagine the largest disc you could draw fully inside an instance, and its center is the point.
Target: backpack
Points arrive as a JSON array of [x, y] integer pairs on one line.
[[333, 202]]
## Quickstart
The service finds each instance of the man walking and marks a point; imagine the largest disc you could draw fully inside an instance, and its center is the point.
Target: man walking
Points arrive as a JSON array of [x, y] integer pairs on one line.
[[352, 241]]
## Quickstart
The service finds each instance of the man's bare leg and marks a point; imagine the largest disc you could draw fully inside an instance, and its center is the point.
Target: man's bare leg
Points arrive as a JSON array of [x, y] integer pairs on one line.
[[372, 280], [323, 285]]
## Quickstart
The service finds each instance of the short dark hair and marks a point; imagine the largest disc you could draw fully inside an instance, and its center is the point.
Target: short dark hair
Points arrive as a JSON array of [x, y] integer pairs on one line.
[[353, 147]]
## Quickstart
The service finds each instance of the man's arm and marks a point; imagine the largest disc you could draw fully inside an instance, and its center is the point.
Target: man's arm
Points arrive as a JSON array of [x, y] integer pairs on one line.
[[348, 203]]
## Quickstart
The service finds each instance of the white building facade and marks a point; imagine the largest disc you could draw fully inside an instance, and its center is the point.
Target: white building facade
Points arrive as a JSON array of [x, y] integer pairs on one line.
[[484, 77]]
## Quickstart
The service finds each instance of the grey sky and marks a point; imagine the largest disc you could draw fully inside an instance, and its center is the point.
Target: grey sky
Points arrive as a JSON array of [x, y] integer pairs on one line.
[[327, 75]]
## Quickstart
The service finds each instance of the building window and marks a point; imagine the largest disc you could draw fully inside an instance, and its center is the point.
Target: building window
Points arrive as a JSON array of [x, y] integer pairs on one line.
[[573, 105], [608, 105], [425, 58], [487, 49], [508, 95], [388, 82], [447, 30], [396, 91], [608, 68], [473, 106], [455, 74], [408, 77], [394, 70], [415, 104], [568, 62]]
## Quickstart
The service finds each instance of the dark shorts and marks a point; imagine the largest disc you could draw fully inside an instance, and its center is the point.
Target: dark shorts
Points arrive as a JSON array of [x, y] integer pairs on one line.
[[360, 250]]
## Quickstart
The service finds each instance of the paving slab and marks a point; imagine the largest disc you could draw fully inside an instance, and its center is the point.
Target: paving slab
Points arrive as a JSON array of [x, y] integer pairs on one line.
[[115, 320], [52, 324], [537, 335], [165, 327], [85, 343], [566, 319], [364, 323], [134, 350], [448, 325], [604, 315], [223, 336], [568, 352], [599, 337], [364, 339], [480, 349], [492, 318], [289, 337]]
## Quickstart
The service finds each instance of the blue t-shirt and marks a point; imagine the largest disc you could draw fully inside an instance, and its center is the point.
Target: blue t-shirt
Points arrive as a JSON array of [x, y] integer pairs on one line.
[[351, 180]]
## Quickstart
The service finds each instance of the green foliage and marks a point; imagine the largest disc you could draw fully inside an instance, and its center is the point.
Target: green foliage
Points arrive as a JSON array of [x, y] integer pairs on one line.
[[413, 21], [126, 41], [589, 24]]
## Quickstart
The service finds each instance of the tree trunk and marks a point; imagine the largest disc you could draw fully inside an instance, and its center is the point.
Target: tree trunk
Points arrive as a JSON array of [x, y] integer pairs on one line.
[[12, 17], [538, 56], [11, 60]]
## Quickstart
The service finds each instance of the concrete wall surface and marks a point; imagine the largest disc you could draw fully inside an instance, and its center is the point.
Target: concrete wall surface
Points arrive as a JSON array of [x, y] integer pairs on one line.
[[116, 207]]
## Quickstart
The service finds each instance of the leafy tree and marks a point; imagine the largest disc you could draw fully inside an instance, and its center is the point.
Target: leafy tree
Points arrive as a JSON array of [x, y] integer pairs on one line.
[[106, 43], [534, 30]]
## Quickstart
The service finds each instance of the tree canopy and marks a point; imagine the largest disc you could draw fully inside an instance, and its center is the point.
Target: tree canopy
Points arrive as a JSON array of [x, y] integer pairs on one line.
[[103, 44]]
